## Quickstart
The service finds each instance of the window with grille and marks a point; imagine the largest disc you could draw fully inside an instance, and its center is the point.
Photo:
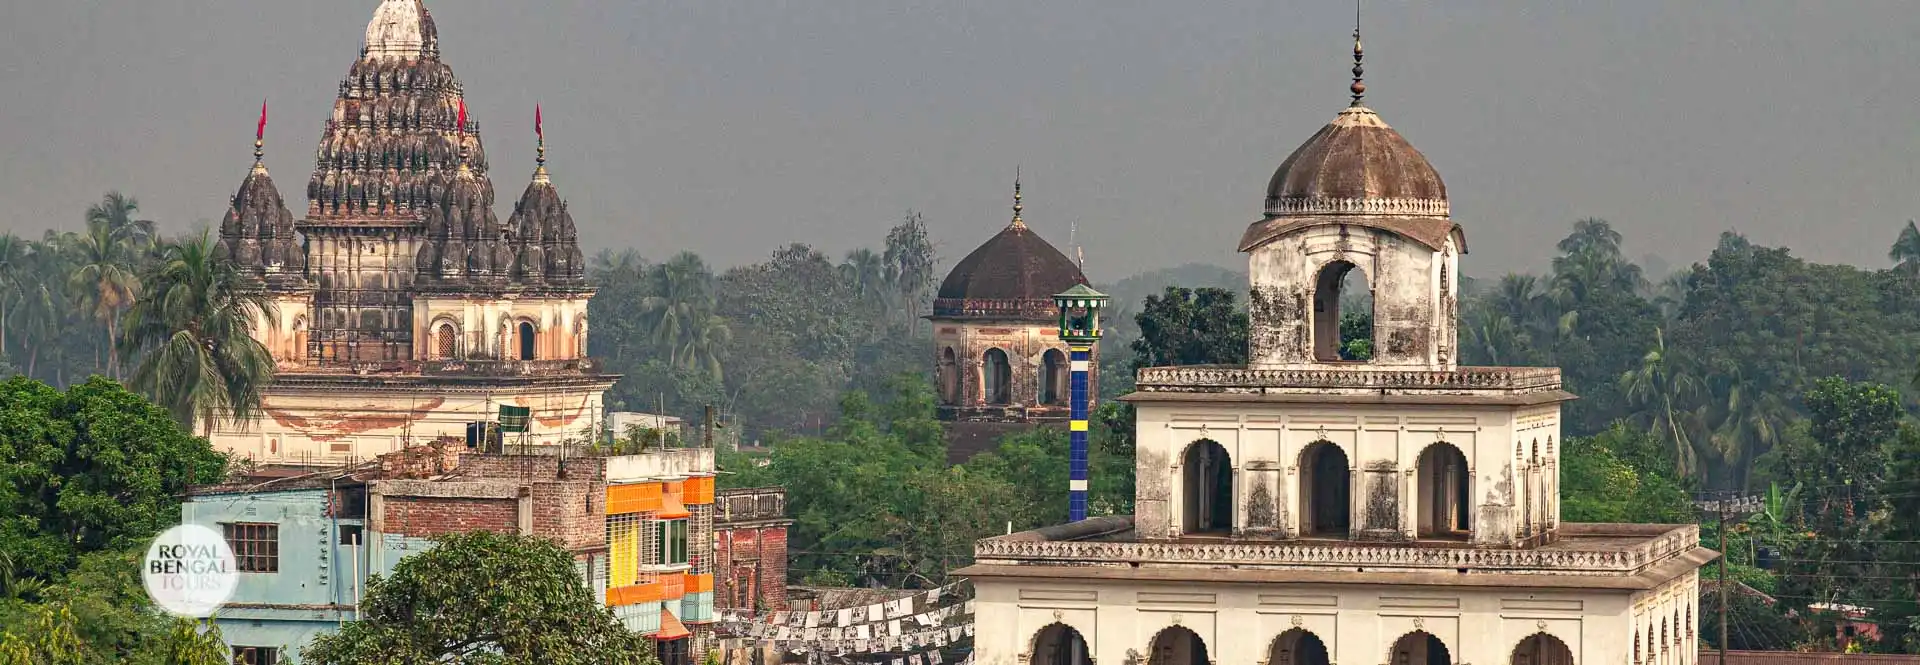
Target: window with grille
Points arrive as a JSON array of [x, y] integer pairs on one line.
[[700, 535], [256, 547], [256, 656], [443, 339], [673, 541]]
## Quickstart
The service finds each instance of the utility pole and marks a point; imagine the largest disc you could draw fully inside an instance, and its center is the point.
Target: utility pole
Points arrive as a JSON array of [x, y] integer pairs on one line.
[[707, 427], [1723, 577]]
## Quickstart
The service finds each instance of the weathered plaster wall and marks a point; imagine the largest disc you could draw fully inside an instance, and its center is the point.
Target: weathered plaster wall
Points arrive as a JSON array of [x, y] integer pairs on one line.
[[1025, 343], [1264, 442], [1359, 623], [306, 426], [1414, 288]]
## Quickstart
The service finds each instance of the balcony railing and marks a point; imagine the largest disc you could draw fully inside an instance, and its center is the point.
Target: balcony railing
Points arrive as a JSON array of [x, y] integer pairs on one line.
[[1226, 378]]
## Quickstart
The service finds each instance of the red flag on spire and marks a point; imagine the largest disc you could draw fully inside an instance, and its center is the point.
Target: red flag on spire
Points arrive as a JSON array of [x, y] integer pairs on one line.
[[536, 122], [260, 133], [463, 116]]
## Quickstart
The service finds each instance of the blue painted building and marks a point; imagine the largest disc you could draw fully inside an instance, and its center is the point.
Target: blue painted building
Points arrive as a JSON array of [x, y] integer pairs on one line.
[[303, 561]]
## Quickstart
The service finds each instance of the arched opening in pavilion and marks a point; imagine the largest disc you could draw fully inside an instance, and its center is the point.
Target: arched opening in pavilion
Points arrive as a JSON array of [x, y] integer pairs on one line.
[[1177, 645], [445, 341], [1420, 648], [1445, 492], [1326, 490], [996, 375], [1060, 644], [1207, 474], [1543, 649], [1298, 646], [1339, 335], [527, 338], [1053, 378], [949, 377]]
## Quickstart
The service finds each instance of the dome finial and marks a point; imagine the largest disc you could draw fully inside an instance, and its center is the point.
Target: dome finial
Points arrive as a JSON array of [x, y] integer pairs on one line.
[[1017, 207], [460, 137], [1359, 87], [540, 148], [260, 140]]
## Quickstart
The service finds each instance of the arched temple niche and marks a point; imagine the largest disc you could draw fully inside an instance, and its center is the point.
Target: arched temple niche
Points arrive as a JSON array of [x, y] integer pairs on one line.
[[527, 340], [1545, 649], [1060, 644], [1178, 645], [1419, 648], [996, 377], [1326, 490], [446, 339], [1206, 475], [1298, 646], [1444, 494], [1342, 313], [1053, 377]]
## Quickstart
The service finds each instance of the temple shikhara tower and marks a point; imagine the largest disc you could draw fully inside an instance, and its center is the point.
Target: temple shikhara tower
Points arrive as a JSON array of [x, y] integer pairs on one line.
[[404, 306], [1309, 509], [999, 362]]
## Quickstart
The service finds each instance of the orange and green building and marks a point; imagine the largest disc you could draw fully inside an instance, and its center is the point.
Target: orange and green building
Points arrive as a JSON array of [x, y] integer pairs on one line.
[[660, 546]]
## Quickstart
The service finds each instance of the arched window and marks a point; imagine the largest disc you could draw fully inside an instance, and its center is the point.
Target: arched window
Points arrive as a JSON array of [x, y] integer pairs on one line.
[[1445, 492], [1208, 477], [444, 341], [1342, 336], [1053, 377], [1420, 648], [949, 377], [1544, 649], [1060, 644], [997, 377], [1298, 647], [1326, 490], [527, 339], [1177, 645]]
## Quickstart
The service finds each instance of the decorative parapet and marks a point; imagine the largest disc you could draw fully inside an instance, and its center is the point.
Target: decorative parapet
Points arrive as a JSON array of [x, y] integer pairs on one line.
[[1568, 557], [1225, 378], [1024, 309], [1327, 206]]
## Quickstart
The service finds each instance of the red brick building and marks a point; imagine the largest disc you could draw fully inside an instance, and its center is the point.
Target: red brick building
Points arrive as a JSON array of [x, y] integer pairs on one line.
[[750, 549]]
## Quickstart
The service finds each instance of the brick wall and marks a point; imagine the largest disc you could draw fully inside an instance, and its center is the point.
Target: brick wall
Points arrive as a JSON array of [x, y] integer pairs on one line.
[[571, 512], [422, 517], [433, 458], [522, 467], [750, 559]]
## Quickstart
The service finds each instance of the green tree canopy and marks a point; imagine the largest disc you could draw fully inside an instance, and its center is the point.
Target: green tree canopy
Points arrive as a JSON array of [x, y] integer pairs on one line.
[[482, 598]]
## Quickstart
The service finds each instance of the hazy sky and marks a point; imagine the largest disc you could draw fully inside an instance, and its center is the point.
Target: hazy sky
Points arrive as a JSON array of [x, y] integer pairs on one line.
[[729, 127]]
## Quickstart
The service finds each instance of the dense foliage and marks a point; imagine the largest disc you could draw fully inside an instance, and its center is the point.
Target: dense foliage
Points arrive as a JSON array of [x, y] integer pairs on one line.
[[482, 598]]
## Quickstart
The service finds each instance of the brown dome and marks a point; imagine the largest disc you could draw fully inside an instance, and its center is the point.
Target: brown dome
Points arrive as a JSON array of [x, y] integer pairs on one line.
[[1357, 157], [1014, 273]]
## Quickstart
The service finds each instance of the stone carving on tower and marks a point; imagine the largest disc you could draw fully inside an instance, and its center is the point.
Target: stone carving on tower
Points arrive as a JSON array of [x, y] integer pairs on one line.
[[404, 305]]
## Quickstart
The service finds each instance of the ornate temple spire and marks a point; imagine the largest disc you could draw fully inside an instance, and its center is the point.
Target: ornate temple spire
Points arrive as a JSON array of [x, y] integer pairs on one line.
[[401, 30], [1017, 206]]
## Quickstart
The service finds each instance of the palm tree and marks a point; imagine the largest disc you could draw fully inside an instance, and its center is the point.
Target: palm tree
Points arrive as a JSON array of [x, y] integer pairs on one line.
[[1905, 252], [41, 315], [1591, 236], [1665, 393], [681, 317], [116, 211], [105, 275], [869, 275], [192, 329], [13, 256], [1751, 421]]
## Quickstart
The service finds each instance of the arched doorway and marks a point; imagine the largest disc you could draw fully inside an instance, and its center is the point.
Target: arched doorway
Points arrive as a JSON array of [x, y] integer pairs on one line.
[[949, 377], [1176, 645], [1053, 377], [1419, 648], [1338, 335], [1544, 649], [1445, 492], [1298, 647], [1060, 644], [1326, 490], [1207, 474], [526, 340], [997, 377]]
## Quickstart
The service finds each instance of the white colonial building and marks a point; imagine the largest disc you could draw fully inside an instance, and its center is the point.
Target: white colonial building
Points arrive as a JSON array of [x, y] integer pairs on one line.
[[1311, 509]]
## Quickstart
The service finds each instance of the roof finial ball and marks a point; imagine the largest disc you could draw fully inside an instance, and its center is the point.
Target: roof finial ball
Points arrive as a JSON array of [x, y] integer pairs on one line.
[[1359, 87], [1017, 206]]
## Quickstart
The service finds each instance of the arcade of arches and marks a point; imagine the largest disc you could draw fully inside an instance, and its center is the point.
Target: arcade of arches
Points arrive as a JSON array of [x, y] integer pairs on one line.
[[1060, 644], [1444, 489]]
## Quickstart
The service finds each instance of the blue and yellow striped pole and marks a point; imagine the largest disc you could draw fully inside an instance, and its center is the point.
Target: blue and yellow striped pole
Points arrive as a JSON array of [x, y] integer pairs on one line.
[[1080, 353]]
